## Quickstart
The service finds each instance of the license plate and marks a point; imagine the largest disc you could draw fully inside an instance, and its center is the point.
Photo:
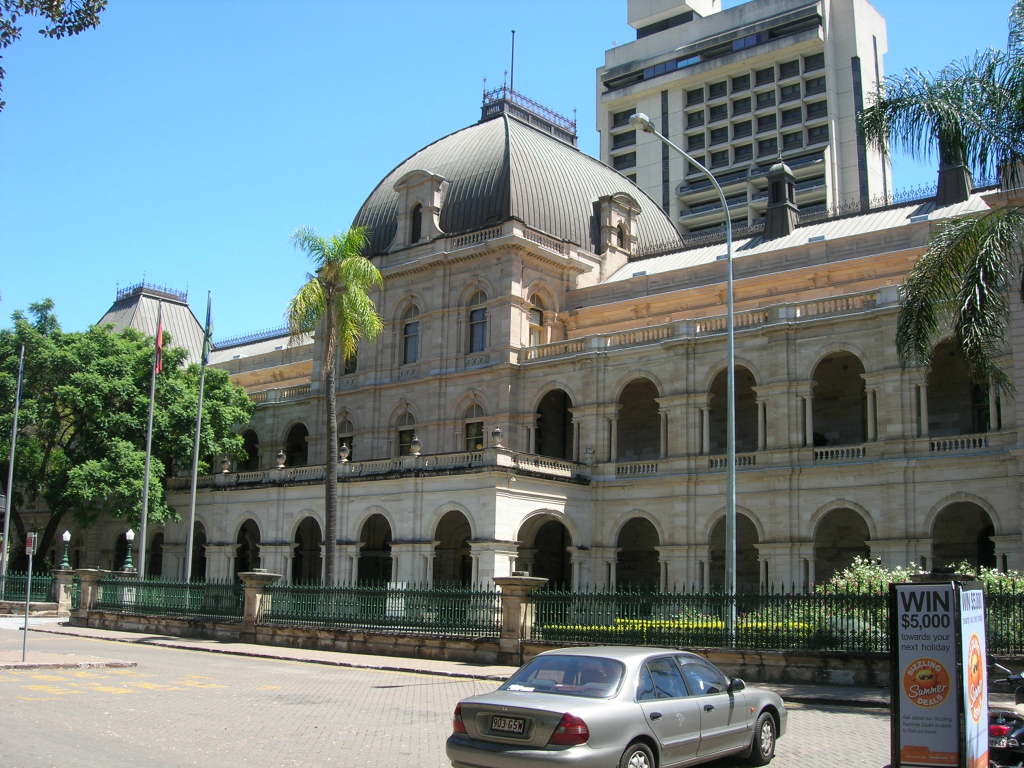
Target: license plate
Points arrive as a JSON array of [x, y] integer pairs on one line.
[[999, 743], [516, 726]]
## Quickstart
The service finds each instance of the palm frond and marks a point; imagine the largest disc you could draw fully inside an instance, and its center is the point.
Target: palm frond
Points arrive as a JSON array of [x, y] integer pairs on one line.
[[963, 281], [306, 309]]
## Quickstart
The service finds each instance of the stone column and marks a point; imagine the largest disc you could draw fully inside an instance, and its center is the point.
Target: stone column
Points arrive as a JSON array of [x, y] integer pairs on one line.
[[893, 553], [921, 413], [89, 587], [174, 560], [493, 559], [1009, 552], [993, 409], [516, 615], [348, 562], [254, 583], [277, 558], [705, 431], [220, 561], [803, 567], [62, 582], [777, 558], [413, 561], [602, 567], [673, 559]]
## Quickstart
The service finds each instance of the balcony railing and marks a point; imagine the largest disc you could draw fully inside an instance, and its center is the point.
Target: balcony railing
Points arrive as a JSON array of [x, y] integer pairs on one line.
[[957, 443], [840, 453]]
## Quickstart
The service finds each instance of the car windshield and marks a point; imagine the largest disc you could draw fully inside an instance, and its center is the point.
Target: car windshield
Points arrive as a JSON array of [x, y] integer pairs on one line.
[[588, 676]]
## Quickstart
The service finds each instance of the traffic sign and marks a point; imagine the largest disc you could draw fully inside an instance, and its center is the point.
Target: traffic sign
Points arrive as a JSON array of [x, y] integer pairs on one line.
[[30, 542]]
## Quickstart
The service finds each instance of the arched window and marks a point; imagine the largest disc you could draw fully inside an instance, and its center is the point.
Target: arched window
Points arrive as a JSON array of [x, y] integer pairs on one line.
[[347, 436], [251, 445], [296, 446], [536, 321], [416, 227], [406, 432], [620, 236], [477, 323], [410, 336], [474, 429]]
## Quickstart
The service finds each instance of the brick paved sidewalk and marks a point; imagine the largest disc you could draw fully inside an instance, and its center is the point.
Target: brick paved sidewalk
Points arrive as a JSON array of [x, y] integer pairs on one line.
[[805, 693]]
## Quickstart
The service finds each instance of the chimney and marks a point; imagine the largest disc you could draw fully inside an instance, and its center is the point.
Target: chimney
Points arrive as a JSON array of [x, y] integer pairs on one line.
[[783, 215]]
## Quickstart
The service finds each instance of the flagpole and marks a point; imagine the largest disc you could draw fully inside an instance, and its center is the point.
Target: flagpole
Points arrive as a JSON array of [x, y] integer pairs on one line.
[[195, 443], [157, 362], [10, 472]]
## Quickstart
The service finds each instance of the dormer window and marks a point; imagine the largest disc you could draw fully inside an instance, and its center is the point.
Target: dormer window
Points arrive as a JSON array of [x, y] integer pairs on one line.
[[410, 336], [416, 225], [421, 196], [477, 339], [618, 214]]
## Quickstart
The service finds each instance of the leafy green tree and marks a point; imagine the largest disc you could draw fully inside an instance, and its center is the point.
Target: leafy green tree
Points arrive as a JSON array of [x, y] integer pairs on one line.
[[63, 18], [335, 304], [971, 114], [82, 426]]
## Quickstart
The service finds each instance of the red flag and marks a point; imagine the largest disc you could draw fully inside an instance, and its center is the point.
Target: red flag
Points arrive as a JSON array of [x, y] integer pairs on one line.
[[160, 339]]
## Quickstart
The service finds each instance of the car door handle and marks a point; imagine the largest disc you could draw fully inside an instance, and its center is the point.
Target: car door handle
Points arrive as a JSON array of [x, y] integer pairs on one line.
[[655, 715], [708, 707]]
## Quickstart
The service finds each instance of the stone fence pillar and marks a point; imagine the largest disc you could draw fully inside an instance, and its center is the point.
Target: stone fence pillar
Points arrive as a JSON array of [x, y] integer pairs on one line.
[[89, 589], [256, 600], [516, 615], [62, 583]]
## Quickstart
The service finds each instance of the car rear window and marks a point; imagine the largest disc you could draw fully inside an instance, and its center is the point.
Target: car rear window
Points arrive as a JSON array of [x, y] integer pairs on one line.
[[588, 676]]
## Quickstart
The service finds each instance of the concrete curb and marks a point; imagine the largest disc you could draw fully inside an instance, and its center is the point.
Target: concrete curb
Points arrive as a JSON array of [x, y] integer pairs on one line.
[[67, 664]]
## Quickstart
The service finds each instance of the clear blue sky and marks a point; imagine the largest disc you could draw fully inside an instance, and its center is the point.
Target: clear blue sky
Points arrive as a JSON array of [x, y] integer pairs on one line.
[[183, 142]]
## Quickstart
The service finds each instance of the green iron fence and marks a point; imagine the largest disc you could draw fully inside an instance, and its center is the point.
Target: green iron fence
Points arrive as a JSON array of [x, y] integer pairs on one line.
[[822, 620], [159, 597], [14, 585], [439, 609]]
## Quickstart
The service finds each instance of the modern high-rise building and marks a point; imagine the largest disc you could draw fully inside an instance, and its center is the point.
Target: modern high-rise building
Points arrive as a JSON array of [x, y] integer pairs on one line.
[[737, 89]]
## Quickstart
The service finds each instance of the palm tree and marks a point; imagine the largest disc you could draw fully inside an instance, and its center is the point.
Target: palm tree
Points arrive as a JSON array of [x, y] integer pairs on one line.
[[972, 114], [335, 304]]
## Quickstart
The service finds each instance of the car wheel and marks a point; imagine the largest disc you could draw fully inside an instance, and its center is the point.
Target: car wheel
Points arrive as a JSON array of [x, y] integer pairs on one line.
[[637, 755], [762, 749]]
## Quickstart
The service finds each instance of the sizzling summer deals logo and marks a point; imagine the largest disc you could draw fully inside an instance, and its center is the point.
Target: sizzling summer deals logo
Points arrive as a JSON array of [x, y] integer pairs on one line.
[[975, 677], [926, 682]]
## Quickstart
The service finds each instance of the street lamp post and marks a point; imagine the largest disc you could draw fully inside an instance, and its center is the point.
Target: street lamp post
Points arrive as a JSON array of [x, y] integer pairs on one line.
[[65, 564], [643, 122], [129, 538]]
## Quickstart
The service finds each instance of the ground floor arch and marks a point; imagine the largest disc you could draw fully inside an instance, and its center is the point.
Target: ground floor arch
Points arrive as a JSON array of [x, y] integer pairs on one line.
[[307, 561], [962, 532], [375, 550], [748, 576], [839, 537], [544, 550], [453, 563], [637, 562], [198, 553], [247, 547]]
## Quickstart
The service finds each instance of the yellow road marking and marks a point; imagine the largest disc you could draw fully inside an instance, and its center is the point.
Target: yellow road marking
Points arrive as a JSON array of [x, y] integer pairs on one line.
[[110, 689], [35, 698], [196, 684], [268, 687], [54, 678], [51, 689]]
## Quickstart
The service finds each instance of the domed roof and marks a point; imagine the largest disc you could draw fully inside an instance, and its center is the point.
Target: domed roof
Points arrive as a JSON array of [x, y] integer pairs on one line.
[[503, 169]]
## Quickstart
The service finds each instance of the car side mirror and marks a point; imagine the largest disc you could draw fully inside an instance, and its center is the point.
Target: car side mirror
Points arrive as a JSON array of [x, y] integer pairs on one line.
[[736, 684]]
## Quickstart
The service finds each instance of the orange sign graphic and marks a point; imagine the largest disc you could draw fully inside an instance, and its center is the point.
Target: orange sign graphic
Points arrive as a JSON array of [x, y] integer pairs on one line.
[[975, 678], [926, 682]]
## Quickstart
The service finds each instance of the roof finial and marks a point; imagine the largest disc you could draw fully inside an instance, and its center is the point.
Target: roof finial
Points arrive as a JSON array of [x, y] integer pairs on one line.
[[512, 79]]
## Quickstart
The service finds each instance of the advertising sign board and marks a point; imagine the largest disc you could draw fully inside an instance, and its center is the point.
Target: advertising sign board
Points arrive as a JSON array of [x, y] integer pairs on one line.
[[940, 700], [975, 683], [928, 729], [30, 543]]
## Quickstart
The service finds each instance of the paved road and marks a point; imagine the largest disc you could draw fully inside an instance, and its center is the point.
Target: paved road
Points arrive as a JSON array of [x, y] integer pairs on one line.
[[183, 708]]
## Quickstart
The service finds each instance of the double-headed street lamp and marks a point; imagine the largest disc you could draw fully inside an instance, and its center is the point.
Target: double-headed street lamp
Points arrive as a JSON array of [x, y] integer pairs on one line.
[[643, 122]]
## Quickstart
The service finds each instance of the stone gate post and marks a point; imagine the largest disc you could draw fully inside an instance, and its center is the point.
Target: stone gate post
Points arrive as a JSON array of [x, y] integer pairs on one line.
[[256, 599], [89, 586], [62, 582], [516, 615]]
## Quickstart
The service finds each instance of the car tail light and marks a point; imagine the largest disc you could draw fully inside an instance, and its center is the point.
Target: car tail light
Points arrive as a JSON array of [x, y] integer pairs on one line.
[[571, 730], [999, 730], [457, 725]]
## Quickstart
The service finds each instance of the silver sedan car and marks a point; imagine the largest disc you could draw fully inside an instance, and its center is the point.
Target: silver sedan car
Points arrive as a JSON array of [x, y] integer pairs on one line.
[[613, 706]]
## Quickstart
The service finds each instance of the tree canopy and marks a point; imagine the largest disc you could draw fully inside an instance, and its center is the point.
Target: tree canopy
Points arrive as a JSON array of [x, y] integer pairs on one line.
[[82, 424], [63, 18]]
